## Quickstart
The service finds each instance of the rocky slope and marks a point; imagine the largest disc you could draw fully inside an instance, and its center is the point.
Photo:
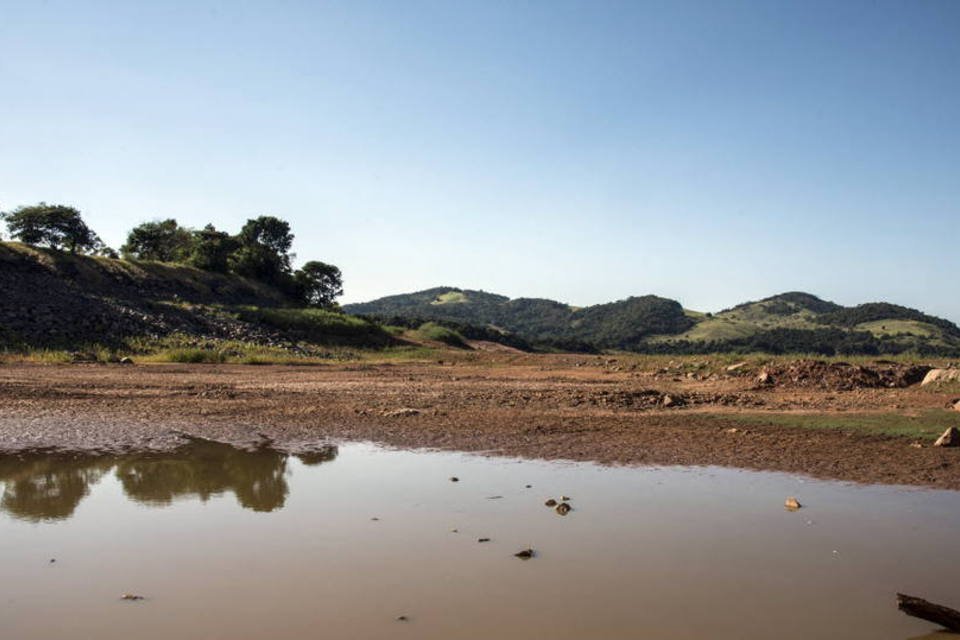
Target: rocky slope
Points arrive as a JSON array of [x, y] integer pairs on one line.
[[58, 300]]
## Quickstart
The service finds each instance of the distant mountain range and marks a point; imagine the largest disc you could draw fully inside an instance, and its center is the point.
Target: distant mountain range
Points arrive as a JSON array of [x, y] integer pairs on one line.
[[792, 322]]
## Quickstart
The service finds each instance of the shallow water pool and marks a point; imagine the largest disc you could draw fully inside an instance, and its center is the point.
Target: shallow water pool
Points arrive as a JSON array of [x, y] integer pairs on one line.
[[225, 543]]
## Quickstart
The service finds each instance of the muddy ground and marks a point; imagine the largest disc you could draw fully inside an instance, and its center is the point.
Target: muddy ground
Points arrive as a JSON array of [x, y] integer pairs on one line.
[[536, 406]]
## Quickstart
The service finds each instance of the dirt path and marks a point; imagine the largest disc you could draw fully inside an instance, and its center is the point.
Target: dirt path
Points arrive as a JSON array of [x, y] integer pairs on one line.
[[553, 407]]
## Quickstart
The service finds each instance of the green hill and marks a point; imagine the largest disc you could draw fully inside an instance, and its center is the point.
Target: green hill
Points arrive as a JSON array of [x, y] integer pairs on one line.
[[617, 325], [788, 322]]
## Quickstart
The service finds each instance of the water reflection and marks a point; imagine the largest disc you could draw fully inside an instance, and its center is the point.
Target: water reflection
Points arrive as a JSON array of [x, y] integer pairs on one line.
[[39, 487], [46, 487]]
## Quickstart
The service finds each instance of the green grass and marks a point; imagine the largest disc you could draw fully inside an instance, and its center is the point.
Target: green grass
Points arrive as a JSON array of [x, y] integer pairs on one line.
[[451, 297], [192, 356], [438, 333], [899, 327], [928, 425], [320, 326]]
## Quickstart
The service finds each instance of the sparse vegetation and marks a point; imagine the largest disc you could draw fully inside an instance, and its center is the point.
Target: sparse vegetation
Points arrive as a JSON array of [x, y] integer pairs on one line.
[[926, 425]]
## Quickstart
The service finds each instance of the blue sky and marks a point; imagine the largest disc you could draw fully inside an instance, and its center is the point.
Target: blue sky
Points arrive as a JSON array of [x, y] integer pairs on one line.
[[711, 152]]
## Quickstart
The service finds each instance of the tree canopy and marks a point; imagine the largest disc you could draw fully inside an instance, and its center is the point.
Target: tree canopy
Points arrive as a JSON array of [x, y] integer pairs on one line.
[[212, 249], [165, 241], [260, 251], [319, 283], [263, 251], [53, 225]]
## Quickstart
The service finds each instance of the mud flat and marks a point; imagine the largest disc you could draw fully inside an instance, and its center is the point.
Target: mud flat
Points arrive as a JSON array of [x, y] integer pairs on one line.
[[548, 407]]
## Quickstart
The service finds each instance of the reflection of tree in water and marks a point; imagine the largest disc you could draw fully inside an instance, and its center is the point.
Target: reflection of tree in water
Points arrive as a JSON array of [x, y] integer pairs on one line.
[[47, 487], [204, 469]]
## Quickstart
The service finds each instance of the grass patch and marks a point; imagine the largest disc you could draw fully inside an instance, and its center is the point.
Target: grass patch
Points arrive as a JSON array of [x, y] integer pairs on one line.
[[439, 333], [451, 297], [320, 326], [38, 356], [927, 425], [192, 356]]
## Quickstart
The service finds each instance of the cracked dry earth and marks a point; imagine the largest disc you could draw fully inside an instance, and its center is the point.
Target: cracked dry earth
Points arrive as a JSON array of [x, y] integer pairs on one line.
[[534, 406]]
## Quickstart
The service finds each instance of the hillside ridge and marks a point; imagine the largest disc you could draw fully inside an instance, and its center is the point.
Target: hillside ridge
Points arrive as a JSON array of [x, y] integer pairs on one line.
[[793, 321]]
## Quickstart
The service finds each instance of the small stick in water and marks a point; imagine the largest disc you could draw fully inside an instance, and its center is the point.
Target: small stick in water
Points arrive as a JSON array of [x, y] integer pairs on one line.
[[935, 613]]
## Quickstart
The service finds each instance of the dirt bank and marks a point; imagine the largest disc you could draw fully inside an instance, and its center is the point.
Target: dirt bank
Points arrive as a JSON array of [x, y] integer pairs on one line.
[[555, 407]]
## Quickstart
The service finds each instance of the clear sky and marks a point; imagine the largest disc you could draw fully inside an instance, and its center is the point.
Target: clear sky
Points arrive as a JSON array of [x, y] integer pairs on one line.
[[711, 152]]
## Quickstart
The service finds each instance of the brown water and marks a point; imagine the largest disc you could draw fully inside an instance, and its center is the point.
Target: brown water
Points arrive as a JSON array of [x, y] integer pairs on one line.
[[230, 544]]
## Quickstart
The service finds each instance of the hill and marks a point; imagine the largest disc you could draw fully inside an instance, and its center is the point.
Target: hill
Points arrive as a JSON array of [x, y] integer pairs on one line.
[[784, 323], [57, 300], [616, 325]]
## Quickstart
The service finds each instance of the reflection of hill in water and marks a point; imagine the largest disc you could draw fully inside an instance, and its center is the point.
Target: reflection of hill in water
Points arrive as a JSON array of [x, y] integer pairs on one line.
[[49, 487]]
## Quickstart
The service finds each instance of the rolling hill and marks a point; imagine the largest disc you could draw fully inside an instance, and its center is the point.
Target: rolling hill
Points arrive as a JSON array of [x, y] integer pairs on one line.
[[788, 322]]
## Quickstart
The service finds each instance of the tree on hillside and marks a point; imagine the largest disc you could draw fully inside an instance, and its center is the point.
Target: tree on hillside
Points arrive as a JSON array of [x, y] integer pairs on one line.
[[264, 250], [164, 240], [211, 249], [319, 283], [53, 225]]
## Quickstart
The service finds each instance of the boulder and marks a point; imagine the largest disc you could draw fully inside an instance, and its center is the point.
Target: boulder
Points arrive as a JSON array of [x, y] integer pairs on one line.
[[949, 438], [940, 375]]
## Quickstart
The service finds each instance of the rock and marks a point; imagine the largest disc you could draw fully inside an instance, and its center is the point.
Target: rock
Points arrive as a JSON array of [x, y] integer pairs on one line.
[[563, 508], [454, 479], [564, 498], [525, 554], [956, 405], [668, 401], [736, 367], [940, 375], [764, 378], [949, 438], [791, 504], [403, 412], [550, 503], [483, 539], [131, 596], [126, 360], [402, 618], [731, 430]]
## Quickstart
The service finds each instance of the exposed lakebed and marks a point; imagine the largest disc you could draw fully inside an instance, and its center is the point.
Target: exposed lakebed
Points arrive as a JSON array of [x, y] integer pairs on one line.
[[358, 541]]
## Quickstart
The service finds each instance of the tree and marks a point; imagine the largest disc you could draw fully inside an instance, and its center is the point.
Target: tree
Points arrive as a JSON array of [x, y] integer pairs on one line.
[[264, 250], [53, 225], [164, 240], [319, 283], [212, 249]]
